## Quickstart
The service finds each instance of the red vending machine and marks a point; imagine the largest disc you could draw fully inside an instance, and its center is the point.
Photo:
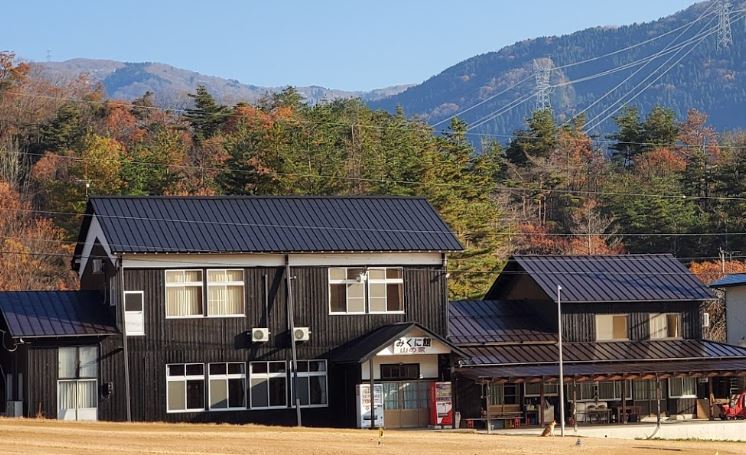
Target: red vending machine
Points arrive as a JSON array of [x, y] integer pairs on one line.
[[441, 404]]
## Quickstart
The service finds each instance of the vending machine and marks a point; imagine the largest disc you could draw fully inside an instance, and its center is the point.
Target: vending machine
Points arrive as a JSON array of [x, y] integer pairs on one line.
[[363, 405], [441, 404]]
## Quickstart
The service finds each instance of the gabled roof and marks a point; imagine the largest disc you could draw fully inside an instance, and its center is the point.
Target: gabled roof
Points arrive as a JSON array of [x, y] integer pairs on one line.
[[30, 314], [365, 347], [268, 224], [597, 352], [736, 279], [619, 278], [491, 321]]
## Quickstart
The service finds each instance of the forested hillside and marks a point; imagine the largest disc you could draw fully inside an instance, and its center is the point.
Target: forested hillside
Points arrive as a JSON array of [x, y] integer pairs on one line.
[[695, 74], [673, 184]]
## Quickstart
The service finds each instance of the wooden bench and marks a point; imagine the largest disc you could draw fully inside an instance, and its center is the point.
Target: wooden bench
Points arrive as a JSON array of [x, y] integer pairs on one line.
[[507, 412]]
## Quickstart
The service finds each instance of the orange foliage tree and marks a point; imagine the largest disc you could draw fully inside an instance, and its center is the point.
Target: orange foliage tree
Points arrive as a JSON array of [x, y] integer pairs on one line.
[[34, 255]]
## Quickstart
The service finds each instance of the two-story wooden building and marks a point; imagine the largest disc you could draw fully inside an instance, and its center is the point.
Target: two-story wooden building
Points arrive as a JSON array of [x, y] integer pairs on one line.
[[237, 309], [633, 347]]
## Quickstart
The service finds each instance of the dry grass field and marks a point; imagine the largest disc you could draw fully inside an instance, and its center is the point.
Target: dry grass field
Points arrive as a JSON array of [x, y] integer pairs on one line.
[[19, 436]]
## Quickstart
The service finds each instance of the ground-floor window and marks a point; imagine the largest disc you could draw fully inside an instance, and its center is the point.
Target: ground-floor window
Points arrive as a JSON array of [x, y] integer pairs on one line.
[[405, 395], [312, 384], [77, 386], [503, 394], [227, 383], [268, 384], [400, 371], [604, 391], [533, 389], [645, 390], [185, 389], [682, 388]]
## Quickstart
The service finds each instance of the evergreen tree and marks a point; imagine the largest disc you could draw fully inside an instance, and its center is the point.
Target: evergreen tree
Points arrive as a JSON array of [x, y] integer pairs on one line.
[[207, 116]]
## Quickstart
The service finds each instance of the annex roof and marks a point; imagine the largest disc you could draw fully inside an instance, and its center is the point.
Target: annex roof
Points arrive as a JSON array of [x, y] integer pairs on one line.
[[598, 352], [736, 279], [30, 314], [617, 278], [250, 224], [491, 321]]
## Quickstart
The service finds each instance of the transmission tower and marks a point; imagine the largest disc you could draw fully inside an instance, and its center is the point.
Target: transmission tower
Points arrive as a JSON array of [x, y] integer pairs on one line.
[[543, 71], [725, 37]]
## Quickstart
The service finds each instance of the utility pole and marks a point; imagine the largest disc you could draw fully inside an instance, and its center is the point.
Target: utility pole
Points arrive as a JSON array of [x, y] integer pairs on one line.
[[725, 36], [543, 72], [561, 367]]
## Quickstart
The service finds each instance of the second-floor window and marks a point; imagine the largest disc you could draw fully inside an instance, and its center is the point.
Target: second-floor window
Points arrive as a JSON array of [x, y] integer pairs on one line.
[[184, 293], [665, 325], [357, 290], [612, 327], [225, 292]]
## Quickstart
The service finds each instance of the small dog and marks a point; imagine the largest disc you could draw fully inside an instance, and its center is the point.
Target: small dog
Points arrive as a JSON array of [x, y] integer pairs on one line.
[[549, 428]]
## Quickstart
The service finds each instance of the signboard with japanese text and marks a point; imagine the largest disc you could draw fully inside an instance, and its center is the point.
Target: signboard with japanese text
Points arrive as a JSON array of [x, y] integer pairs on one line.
[[414, 345]]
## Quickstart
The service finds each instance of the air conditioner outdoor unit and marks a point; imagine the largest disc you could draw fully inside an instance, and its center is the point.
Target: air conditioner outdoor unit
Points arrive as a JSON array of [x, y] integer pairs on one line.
[[260, 334], [301, 334], [14, 409]]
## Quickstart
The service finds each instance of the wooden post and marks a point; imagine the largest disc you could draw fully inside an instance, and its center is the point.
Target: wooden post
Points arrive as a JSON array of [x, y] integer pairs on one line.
[[574, 406], [710, 398], [624, 402], [487, 408], [657, 401], [541, 402]]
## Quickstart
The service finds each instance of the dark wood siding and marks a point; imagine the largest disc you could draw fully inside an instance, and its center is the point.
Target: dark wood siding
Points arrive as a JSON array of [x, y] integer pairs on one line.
[[42, 380], [205, 340], [579, 322]]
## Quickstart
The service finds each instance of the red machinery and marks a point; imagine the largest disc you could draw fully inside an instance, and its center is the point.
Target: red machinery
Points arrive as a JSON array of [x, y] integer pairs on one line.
[[737, 410]]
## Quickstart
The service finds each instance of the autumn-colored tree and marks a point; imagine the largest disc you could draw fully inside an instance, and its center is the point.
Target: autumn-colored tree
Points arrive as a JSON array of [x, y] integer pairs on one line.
[[34, 254]]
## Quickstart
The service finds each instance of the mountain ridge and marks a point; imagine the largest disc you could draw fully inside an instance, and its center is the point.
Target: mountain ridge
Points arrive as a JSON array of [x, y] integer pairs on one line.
[[170, 84]]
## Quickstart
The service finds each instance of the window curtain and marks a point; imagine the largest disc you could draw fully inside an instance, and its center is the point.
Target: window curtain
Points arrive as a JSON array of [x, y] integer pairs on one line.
[[67, 363], [87, 394], [658, 326], [67, 394], [184, 301]]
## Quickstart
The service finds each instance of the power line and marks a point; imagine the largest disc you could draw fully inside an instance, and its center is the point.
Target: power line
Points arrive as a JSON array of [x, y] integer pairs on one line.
[[506, 188], [628, 78], [694, 46], [511, 87]]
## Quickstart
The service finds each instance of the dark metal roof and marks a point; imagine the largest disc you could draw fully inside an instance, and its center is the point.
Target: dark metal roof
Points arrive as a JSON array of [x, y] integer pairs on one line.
[[598, 352], [30, 314], [737, 279], [589, 369], [365, 347], [620, 278], [268, 224], [491, 321]]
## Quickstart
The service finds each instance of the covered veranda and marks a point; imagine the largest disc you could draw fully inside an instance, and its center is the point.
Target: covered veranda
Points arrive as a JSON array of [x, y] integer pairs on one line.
[[607, 392]]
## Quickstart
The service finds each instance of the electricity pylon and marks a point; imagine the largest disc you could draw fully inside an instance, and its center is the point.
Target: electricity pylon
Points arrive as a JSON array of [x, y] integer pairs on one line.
[[542, 71], [725, 36]]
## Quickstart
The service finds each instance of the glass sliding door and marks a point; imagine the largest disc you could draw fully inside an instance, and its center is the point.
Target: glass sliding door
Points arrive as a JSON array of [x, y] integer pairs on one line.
[[77, 383]]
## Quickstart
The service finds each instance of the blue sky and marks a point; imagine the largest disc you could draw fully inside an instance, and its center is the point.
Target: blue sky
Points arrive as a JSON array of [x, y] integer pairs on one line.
[[349, 44]]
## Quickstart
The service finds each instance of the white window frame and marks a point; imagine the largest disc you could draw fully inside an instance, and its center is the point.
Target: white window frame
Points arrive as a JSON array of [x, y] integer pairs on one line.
[[694, 380], [553, 385], [225, 284], [309, 374], [225, 377], [184, 379], [665, 315], [346, 281], [385, 281], [267, 376], [141, 313], [200, 283], [626, 315], [78, 379]]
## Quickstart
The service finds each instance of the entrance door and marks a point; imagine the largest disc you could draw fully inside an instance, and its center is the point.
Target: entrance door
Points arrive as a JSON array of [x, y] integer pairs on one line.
[[406, 404], [77, 399]]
